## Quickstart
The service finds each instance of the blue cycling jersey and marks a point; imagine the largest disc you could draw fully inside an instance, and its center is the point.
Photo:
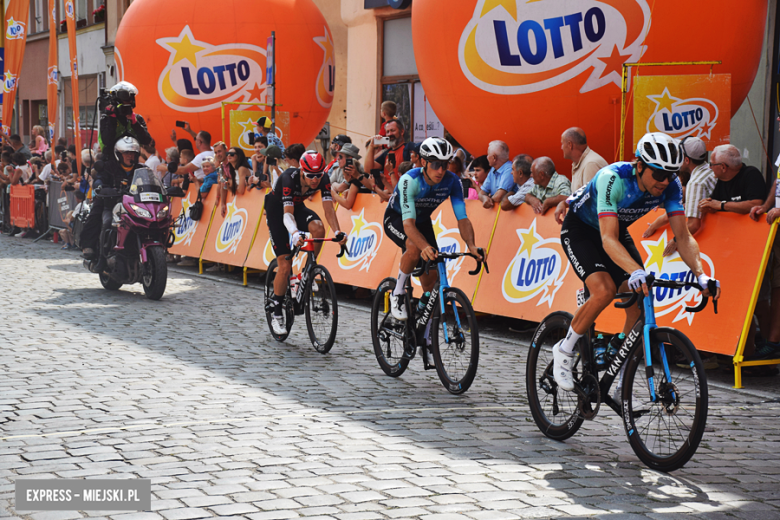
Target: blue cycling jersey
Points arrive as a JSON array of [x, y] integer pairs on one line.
[[614, 192], [413, 194]]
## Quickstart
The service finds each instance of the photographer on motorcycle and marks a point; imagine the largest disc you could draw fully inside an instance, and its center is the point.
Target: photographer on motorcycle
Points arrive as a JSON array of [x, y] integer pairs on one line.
[[118, 120], [115, 174]]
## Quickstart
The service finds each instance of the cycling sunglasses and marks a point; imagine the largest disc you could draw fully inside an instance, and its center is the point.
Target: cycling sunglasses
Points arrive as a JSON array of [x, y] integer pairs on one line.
[[438, 165], [661, 175], [309, 175]]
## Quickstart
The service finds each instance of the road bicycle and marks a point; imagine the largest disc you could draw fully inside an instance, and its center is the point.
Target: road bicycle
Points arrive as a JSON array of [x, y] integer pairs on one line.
[[455, 342], [311, 292], [663, 401]]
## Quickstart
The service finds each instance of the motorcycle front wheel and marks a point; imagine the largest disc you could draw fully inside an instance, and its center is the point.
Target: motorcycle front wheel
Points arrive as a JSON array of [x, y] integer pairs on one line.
[[155, 273]]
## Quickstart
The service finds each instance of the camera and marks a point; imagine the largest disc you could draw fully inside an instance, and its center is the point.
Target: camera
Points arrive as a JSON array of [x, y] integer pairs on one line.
[[270, 161], [104, 99], [349, 161], [63, 156]]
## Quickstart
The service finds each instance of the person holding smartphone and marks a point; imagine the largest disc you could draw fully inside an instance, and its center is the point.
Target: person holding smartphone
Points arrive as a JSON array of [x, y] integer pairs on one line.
[[387, 161]]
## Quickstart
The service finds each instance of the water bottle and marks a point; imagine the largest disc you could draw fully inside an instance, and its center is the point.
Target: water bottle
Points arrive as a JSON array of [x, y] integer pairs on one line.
[[295, 281], [599, 352], [423, 302], [614, 346]]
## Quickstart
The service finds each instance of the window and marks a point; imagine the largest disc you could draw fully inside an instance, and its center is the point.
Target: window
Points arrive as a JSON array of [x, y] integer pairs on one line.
[[38, 16], [400, 81], [81, 10]]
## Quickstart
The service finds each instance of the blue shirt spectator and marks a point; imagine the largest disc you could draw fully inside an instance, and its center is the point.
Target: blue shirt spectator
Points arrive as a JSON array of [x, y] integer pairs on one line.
[[499, 180]]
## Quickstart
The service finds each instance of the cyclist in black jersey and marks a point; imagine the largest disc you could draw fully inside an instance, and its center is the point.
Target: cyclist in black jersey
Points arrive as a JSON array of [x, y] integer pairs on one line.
[[289, 220]]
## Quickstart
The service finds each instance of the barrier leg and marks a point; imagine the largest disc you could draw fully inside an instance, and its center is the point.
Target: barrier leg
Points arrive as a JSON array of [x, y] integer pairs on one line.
[[45, 234]]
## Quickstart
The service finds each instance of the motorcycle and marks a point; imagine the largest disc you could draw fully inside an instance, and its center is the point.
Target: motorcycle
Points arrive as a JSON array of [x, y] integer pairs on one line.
[[132, 249]]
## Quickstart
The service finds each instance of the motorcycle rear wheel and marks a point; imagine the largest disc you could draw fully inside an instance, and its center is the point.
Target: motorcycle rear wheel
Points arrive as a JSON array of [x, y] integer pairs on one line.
[[109, 283]]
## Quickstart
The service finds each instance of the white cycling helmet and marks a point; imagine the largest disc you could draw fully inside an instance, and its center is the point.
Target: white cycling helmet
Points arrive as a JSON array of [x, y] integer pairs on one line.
[[127, 144], [660, 151], [436, 149]]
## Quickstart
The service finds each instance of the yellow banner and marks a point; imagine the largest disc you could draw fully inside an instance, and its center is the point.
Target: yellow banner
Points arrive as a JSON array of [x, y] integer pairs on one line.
[[242, 122], [696, 105]]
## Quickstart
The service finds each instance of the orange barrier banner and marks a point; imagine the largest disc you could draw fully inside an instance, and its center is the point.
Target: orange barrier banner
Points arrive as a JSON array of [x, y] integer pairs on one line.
[[16, 18], [23, 205], [262, 253], [371, 253], [696, 105], [70, 17], [230, 236], [732, 247], [530, 275], [53, 77], [448, 238], [190, 235]]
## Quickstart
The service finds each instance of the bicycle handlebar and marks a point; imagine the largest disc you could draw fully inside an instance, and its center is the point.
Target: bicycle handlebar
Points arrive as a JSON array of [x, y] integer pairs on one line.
[[441, 256], [671, 284], [337, 238]]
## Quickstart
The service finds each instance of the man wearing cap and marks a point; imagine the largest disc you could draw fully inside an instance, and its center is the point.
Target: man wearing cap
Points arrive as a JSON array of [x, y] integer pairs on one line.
[[335, 145], [352, 177], [699, 181], [264, 129]]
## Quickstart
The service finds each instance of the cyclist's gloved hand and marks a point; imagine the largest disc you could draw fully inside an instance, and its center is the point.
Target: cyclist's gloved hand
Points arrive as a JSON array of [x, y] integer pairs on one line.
[[340, 236], [298, 238], [705, 280], [638, 278]]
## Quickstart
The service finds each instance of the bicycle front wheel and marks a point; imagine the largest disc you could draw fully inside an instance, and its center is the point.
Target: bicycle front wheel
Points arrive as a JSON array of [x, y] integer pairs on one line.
[[555, 411], [322, 311], [270, 276], [457, 354], [387, 334], [666, 433]]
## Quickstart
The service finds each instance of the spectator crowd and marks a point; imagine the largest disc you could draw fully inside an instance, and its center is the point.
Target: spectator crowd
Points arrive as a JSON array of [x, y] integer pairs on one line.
[[501, 177]]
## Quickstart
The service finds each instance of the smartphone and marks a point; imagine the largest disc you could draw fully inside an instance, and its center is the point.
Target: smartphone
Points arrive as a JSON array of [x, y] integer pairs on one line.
[[250, 136], [391, 158], [349, 161], [181, 124], [382, 140], [270, 161]]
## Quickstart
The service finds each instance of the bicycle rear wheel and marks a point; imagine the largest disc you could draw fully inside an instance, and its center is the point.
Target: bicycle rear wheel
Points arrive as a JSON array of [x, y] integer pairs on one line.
[[555, 411], [289, 317], [665, 434], [322, 311], [457, 359], [387, 334]]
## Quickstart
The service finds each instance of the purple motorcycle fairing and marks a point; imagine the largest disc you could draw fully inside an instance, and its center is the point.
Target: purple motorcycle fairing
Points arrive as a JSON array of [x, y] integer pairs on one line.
[[132, 222]]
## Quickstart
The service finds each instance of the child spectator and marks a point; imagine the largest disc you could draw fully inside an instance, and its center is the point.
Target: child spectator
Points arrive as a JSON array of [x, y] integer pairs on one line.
[[38, 146], [67, 234], [387, 111]]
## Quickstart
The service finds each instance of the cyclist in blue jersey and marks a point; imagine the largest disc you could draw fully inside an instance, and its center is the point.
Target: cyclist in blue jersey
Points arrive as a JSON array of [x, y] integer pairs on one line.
[[595, 236], [407, 219]]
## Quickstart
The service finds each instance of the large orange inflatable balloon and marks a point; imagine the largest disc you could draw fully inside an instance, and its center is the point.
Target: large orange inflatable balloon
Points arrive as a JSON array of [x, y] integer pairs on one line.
[[188, 56], [524, 71]]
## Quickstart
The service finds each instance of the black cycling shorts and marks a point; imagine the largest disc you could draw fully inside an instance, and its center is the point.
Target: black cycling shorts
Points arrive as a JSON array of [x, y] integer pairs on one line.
[[582, 244], [274, 216], [394, 228]]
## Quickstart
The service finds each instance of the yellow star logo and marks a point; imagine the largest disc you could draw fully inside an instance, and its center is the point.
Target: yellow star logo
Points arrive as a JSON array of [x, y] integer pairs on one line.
[[358, 223], [327, 45], [655, 252], [438, 228], [528, 239], [664, 101], [231, 208], [247, 126], [185, 49], [509, 5]]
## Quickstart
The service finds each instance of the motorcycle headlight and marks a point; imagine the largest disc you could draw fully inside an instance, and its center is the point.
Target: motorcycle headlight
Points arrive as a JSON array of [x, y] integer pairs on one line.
[[141, 212], [163, 212]]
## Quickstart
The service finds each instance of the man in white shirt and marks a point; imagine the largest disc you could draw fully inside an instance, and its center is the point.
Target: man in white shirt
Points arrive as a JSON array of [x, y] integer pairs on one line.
[[585, 162], [524, 183], [149, 153], [193, 168]]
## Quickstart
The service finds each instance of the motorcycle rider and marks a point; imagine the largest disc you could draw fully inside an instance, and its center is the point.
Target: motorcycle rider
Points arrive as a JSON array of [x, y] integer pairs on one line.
[[114, 174], [118, 120]]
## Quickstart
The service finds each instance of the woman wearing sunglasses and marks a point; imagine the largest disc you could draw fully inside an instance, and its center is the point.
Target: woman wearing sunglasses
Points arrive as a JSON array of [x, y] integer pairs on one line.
[[601, 251], [289, 220], [234, 176]]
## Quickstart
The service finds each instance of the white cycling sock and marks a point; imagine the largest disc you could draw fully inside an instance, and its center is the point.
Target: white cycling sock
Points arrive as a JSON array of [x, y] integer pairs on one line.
[[571, 340], [400, 285]]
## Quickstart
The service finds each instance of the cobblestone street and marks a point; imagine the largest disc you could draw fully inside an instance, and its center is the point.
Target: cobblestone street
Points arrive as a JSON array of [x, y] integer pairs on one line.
[[192, 393]]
